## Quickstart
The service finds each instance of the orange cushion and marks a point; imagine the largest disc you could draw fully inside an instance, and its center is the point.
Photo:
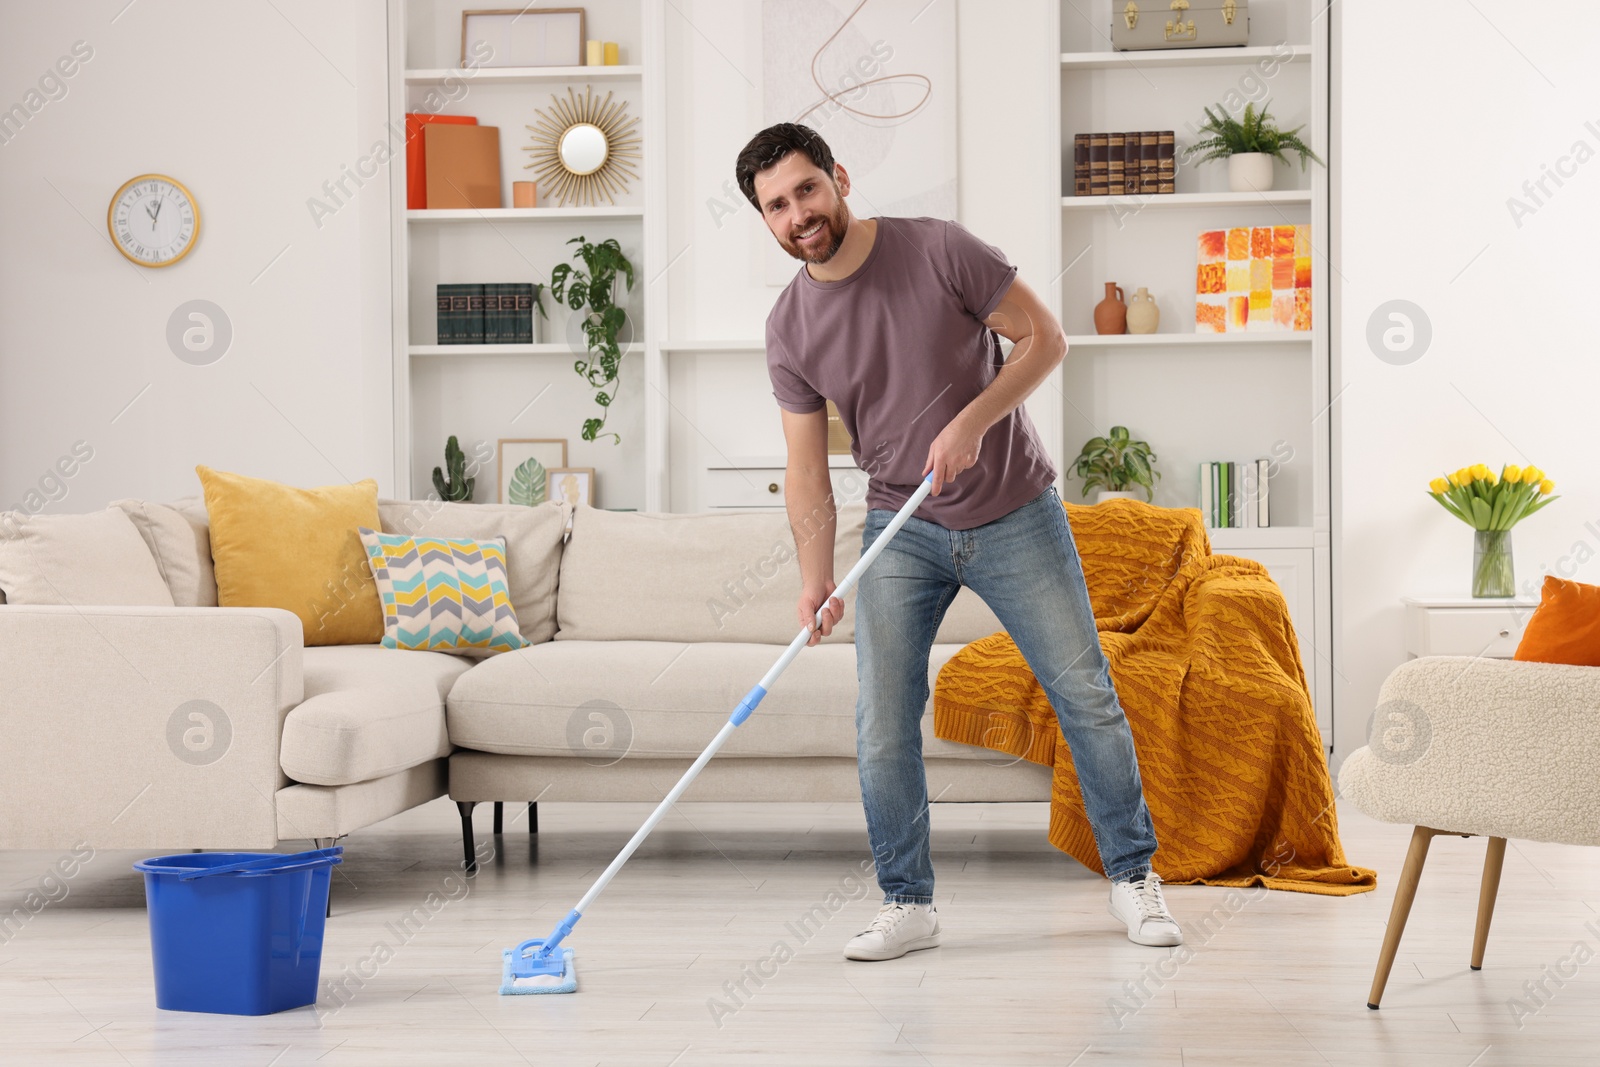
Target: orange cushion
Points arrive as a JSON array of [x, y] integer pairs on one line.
[[1565, 628]]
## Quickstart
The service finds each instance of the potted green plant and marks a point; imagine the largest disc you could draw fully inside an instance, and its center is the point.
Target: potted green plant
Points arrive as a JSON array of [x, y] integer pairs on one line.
[[1249, 143], [457, 486], [1116, 462], [593, 287]]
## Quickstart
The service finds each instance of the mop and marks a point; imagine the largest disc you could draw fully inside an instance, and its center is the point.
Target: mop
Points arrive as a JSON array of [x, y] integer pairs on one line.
[[541, 965]]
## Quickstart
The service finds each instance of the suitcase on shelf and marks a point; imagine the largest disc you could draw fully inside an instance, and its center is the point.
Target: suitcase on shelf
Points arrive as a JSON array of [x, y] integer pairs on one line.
[[1145, 24]]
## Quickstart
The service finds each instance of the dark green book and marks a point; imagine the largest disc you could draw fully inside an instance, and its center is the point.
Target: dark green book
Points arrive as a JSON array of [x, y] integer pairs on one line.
[[474, 322], [493, 331], [455, 301], [442, 313], [522, 324], [1224, 512]]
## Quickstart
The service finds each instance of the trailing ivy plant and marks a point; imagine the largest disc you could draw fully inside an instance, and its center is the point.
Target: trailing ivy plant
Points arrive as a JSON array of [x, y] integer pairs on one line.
[[1252, 132], [593, 286]]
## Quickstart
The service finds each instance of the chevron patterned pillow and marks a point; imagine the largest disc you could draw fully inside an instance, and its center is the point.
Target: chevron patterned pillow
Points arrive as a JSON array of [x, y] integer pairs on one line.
[[442, 594]]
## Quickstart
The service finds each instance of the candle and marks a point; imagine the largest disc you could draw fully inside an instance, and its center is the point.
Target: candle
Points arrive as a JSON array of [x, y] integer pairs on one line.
[[612, 57], [595, 54], [523, 194]]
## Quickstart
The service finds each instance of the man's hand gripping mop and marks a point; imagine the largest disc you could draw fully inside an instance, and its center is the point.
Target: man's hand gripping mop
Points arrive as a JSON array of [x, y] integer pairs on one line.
[[541, 965]]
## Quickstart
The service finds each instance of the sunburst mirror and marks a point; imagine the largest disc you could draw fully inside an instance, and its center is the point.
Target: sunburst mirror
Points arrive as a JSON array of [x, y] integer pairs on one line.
[[584, 148]]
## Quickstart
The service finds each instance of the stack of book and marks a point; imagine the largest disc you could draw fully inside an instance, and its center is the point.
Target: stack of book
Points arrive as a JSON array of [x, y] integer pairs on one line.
[[1124, 164], [1235, 495], [487, 313]]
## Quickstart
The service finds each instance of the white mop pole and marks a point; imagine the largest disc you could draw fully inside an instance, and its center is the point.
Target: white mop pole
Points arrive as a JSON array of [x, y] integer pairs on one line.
[[740, 714]]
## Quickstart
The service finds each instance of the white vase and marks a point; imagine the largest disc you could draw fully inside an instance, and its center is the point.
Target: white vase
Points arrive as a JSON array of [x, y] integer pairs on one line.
[[1250, 172], [1115, 494]]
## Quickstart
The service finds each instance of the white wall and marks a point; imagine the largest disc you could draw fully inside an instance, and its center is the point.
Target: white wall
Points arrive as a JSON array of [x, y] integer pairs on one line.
[[252, 106], [1442, 118]]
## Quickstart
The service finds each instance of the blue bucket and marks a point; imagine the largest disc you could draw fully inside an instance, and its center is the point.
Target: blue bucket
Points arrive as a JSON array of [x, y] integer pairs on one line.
[[237, 933]]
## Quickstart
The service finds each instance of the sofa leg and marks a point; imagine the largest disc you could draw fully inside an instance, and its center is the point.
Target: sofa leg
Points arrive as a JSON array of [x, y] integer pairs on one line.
[[499, 815], [326, 842], [533, 816], [1492, 863], [1405, 891], [465, 808]]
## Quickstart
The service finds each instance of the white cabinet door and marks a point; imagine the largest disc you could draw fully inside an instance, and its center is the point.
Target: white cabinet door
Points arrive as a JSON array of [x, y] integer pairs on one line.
[[1291, 569]]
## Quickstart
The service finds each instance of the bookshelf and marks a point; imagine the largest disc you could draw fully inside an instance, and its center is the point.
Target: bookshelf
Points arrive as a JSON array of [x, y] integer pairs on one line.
[[1199, 397], [483, 393]]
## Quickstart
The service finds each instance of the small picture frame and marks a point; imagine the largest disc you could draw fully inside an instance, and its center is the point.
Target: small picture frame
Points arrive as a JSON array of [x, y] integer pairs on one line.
[[511, 453], [517, 37], [574, 485]]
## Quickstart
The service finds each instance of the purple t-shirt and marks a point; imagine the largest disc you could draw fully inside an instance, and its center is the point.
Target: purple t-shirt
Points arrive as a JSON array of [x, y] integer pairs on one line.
[[900, 348]]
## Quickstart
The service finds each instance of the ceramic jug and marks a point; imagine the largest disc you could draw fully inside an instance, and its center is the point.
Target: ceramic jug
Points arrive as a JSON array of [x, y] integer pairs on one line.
[[1111, 314]]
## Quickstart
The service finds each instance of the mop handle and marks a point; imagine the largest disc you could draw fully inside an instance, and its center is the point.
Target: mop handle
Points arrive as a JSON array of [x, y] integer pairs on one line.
[[740, 714]]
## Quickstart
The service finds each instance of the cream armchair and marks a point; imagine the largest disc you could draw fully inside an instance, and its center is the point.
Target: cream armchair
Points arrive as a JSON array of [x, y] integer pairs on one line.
[[1468, 746]]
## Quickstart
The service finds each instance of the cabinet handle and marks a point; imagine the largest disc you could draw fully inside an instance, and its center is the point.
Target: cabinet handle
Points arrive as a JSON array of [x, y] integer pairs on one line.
[[1505, 633], [772, 487]]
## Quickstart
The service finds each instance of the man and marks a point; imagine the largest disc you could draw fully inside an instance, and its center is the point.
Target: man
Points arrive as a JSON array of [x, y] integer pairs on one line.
[[895, 321]]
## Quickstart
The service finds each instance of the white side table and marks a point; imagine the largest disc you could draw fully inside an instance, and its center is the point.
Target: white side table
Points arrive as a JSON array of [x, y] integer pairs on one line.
[[1465, 626]]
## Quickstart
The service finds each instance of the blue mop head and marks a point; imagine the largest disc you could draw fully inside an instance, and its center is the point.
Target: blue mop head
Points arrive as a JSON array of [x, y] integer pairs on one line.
[[521, 974]]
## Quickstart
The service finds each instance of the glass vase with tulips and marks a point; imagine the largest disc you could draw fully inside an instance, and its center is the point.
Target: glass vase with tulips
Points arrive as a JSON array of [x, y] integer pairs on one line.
[[1492, 504]]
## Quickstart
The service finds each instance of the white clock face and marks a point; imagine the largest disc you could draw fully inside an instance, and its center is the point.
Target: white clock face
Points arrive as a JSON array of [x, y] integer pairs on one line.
[[154, 220]]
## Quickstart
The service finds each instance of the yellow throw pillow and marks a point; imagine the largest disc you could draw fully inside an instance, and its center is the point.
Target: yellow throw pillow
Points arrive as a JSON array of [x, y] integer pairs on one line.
[[274, 546]]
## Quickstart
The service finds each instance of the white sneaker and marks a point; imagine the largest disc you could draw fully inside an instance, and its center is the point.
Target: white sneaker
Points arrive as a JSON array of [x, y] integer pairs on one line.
[[1139, 903], [898, 929]]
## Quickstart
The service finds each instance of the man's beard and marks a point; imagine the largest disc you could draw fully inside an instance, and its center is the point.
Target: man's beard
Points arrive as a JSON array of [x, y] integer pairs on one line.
[[825, 243]]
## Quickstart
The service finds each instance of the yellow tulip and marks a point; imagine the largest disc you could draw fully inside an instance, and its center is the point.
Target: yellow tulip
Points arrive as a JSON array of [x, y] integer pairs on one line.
[[1464, 476], [1531, 475], [1513, 473], [1453, 480], [1546, 486], [1490, 476], [1481, 471], [1439, 485]]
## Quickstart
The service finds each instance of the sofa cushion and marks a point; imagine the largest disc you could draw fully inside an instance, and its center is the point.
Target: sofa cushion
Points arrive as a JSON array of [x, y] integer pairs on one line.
[[278, 546], [443, 594], [368, 711], [533, 547], [968, 619], [98, 558], [181, 547], [600, 700], [697, 577]]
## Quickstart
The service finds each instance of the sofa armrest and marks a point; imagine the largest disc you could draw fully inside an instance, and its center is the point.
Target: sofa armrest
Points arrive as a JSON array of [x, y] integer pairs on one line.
[[143, 727], [1485, 746]]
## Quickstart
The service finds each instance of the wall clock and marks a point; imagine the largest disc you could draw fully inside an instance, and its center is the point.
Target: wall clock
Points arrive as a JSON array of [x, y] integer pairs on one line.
[[153, 220]]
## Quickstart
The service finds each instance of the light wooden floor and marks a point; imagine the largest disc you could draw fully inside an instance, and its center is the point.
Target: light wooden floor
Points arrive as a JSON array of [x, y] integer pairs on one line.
[[1027, 973]]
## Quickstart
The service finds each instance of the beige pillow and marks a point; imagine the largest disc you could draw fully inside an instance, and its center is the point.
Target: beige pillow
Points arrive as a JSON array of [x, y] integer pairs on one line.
[[181, 548], [533, 548], [97, 559], [698, 577]]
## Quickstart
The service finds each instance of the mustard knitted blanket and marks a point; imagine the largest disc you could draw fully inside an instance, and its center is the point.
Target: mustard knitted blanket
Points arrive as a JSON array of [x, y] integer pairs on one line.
[[1208, 669]]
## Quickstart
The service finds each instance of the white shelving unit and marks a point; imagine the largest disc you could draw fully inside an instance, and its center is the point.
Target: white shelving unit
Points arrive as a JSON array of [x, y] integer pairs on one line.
[[1163, 340], [523, 214], [483, 393], [1098, 59], [1199, 397]]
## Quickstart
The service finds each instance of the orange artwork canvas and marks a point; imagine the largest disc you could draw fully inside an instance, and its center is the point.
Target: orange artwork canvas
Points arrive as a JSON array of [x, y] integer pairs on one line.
[[1253, 279]]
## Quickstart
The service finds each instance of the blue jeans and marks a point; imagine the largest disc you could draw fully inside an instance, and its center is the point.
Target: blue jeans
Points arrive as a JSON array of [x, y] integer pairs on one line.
[[1026, 568]]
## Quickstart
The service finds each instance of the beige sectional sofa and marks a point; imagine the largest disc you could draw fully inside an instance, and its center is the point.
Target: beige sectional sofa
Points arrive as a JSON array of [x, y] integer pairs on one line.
[[646, 631]]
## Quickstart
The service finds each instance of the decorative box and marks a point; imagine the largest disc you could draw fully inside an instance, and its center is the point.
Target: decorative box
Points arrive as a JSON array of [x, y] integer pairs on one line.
[[1144, 24]]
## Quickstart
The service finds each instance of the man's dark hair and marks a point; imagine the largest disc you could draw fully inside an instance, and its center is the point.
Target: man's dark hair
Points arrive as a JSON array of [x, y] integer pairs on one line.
[[771, 145]]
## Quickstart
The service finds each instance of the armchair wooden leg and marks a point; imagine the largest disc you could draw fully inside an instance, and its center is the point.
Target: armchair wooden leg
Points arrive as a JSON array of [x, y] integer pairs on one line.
[[533, 816], [1492, 863], [1405, 891], [499, 812]]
